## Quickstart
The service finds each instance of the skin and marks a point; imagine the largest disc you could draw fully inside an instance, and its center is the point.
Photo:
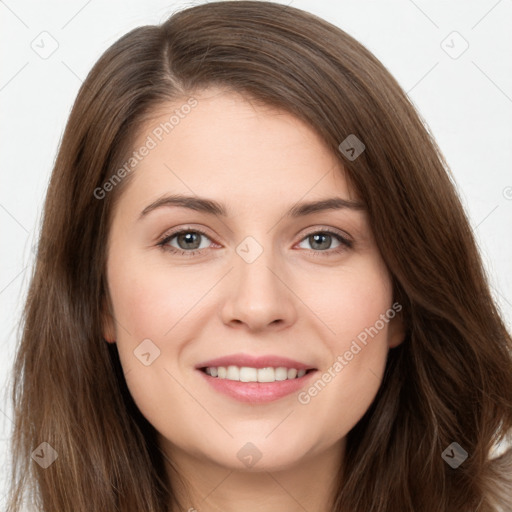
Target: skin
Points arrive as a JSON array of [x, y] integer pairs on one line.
[[294, 300]]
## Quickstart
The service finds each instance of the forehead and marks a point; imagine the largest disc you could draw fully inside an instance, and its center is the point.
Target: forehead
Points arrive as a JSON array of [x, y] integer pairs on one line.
[[227, 143]]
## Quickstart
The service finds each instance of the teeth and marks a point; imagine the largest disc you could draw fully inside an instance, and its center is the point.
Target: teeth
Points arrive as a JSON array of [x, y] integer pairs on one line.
[[244, 374], [247, 374], [292, 373]]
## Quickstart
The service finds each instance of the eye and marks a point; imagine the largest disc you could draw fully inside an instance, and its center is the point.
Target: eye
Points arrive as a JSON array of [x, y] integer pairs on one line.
[[189, 242], [190, 239], [321, 241]]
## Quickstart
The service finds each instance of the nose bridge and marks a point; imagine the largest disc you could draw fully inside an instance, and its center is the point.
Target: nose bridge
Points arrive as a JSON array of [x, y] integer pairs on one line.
[[254, 262], [259, 296]]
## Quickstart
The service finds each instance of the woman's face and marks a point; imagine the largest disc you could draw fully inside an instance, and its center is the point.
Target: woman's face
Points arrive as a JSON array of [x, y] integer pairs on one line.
[[269, 278]]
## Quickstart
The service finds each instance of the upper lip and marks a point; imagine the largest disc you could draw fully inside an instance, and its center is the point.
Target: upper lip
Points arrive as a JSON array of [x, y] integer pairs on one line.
[[255, 362]]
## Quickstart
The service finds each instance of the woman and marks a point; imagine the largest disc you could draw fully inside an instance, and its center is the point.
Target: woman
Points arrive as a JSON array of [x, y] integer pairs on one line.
[[257, 369]]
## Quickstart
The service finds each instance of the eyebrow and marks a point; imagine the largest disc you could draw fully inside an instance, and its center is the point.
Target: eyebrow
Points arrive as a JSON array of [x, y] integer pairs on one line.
[[212, 207]]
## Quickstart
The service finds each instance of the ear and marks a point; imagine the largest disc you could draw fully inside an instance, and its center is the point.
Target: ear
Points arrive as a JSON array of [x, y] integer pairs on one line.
[[396, 329], [107, 321]]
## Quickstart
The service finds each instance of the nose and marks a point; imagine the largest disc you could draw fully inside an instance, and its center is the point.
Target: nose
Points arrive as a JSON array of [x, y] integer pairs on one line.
[[258, 295]]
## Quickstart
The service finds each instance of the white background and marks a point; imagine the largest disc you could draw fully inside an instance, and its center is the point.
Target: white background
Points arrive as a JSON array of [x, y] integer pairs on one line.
[[466, 101]]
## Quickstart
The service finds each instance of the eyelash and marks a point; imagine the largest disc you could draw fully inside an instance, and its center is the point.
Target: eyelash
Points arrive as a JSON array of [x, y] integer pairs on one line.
[[345, 243]]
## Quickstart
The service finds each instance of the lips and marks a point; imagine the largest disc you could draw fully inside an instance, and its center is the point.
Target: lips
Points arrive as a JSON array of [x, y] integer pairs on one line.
[[257, 392], [264, 361]]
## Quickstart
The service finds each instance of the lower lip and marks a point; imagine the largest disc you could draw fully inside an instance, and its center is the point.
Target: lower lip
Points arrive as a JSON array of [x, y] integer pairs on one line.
[[257, 392]]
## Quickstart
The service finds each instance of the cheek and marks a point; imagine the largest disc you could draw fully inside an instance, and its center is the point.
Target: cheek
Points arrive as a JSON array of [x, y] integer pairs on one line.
[[348, 300], [362, 329], [156, 313], [345, 387], [148, 302], [357, 307], [146, 309]]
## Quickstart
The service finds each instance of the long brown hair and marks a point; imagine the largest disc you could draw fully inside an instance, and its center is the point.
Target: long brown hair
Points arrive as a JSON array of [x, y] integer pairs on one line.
[[449, 381]]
